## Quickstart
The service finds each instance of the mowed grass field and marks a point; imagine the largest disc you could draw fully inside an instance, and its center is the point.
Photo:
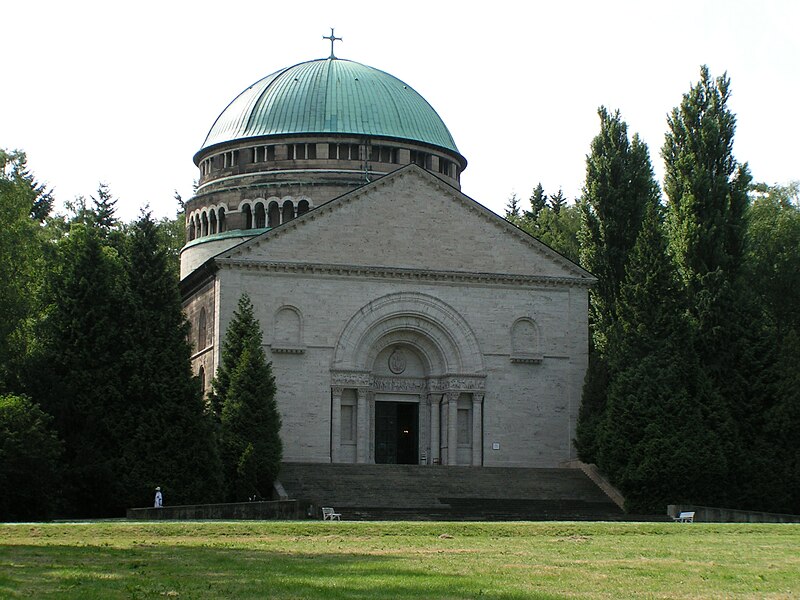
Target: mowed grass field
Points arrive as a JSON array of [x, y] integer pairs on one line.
[[398, 560]]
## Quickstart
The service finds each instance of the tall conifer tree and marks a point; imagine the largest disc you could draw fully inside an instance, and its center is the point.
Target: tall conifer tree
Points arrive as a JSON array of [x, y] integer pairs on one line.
[[620, 187], [172, 442], [662, 416], [77, 375], [707, 192], [706, 186], [538, 202], [244, 389]]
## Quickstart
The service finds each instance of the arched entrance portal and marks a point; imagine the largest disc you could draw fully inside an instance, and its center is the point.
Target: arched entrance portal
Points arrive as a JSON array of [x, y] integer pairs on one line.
[[397, 415], [407, 385]]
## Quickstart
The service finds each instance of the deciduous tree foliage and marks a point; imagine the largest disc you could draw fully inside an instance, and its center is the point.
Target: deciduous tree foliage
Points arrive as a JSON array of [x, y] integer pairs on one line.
[[24, 203], [250, 441]]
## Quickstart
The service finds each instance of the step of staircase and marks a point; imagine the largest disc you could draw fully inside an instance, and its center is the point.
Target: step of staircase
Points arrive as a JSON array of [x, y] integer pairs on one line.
[[411, 492]]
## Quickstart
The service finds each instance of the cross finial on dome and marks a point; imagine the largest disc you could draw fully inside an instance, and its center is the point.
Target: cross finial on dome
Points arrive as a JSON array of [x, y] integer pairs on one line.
[[332, 38]]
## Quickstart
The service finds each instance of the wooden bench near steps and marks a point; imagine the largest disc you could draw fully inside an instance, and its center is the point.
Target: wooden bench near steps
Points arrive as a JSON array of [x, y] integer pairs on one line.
[[684, 517], [328, 514]]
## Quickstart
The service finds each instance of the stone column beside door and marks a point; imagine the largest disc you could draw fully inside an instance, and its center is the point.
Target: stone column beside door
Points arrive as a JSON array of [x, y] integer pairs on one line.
[[477, 430], [452, 428], [435, 400], [362, 434], [424, 429], [336, 424]]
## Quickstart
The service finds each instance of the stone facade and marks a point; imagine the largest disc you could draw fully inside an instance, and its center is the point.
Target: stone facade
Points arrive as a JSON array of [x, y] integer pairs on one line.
[[407, 323]]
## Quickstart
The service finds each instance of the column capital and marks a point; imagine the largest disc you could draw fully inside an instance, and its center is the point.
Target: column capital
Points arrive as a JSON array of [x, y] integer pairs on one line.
[[337, 391], [452, 396]]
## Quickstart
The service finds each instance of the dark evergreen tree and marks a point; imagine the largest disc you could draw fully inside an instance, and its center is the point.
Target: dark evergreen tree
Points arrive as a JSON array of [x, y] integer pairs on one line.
[[773, 272], [777, 472], [557, 201], [30, 455], [104, 208], [76, 372], [706, 186], [512, 208], [249, 421], [240, 327], [538, 202], [663, 432], [619, 188], [707, 192], [593, 405], [620, 185], [171, 442]]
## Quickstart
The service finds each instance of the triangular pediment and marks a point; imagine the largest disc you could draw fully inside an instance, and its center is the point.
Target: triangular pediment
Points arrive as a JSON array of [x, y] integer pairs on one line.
[[412, 220]]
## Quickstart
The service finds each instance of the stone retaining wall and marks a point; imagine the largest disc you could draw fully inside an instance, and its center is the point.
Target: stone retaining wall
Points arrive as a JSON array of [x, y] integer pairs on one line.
[[707, 514], [282, 509]]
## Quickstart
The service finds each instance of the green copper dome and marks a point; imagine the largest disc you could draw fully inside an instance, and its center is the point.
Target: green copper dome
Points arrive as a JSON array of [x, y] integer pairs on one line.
[[330, 96]]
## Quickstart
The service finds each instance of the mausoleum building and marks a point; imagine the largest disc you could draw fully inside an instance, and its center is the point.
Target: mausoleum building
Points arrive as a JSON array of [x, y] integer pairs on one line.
[[405, 322]]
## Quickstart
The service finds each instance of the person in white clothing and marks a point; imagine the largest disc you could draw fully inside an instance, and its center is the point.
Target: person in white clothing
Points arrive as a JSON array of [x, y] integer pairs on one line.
[[159, 500]]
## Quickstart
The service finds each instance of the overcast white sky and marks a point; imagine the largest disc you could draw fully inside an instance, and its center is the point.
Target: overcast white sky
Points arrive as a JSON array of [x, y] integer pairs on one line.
[[125, 92]]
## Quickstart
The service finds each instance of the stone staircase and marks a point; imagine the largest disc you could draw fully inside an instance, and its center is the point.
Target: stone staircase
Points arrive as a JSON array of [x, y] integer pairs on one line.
[[410, 492]]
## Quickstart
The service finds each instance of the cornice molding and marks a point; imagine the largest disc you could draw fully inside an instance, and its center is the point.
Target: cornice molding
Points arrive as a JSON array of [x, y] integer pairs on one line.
[[373, 272]]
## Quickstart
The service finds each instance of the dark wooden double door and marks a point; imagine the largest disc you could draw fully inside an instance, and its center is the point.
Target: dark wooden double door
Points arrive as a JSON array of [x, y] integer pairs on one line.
[[397, 433]]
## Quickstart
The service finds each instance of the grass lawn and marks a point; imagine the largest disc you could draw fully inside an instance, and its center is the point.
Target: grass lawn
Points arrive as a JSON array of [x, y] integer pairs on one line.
[[314, 559]]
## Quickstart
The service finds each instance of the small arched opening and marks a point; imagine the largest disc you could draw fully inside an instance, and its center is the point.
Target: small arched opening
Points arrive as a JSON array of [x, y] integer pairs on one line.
[[248, 217], [261, 216], [274, 215], [288, 211]]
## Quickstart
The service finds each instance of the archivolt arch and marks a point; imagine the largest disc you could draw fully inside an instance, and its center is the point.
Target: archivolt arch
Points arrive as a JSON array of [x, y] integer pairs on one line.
[[435, 329]]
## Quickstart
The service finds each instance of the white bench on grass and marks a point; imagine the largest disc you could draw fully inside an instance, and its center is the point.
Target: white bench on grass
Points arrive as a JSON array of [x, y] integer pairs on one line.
[[328, 514], [684, 517]]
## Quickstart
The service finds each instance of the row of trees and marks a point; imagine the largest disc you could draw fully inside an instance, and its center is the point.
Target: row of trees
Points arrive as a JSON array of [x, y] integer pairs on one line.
[[691, 393], [98, 404]]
